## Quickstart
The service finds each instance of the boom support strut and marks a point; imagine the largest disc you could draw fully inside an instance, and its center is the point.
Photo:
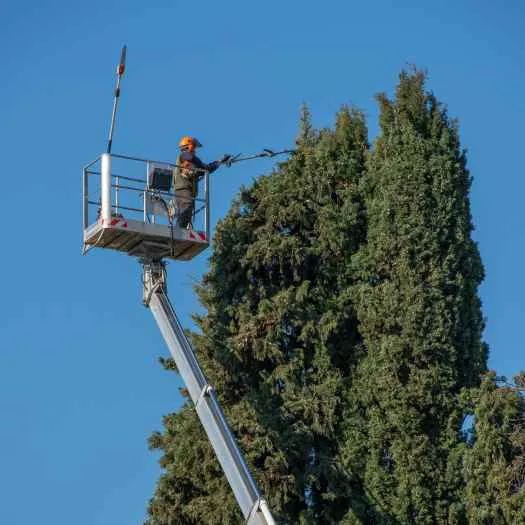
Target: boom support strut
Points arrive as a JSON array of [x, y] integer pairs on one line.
[[253, 506]]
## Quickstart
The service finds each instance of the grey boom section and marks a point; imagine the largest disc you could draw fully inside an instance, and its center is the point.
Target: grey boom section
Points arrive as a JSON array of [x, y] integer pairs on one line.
[[254, 508]]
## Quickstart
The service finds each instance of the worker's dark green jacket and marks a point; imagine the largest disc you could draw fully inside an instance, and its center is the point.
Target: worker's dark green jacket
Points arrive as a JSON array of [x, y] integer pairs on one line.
[[189, 170]]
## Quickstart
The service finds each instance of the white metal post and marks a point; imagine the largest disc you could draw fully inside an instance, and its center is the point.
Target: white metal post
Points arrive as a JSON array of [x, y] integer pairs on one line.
[[105, 187]]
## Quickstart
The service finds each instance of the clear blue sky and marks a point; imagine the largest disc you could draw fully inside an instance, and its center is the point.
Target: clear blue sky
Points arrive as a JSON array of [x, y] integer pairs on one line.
[[80, 387]]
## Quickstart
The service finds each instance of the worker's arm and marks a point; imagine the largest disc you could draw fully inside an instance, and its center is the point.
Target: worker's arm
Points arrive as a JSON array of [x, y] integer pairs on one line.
[[186, 155], [212, 166]]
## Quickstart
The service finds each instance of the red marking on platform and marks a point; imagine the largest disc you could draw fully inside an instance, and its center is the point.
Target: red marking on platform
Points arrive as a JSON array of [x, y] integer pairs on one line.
[[202, 235], [115, 222], [191, 234]]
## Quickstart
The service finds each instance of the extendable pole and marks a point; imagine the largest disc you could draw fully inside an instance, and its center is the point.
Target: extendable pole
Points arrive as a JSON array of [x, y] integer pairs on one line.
[[254, 508], [266, 153]]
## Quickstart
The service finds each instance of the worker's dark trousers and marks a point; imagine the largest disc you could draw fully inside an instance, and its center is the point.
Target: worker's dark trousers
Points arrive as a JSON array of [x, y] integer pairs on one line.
[[185, 204]]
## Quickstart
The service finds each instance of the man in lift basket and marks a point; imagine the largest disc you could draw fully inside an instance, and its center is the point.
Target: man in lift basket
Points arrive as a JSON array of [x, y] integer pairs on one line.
[[186, 177]]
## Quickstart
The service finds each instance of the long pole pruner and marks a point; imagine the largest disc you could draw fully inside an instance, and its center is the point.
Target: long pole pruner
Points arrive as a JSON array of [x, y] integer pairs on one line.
[[120, 73], [268, 153]]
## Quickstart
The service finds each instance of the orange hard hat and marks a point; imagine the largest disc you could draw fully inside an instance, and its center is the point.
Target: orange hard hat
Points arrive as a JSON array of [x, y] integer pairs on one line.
[[189, 143]]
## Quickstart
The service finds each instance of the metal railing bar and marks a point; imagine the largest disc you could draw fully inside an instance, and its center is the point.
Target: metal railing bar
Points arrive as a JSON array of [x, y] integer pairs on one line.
[[140, 159], [131, 188], [132, 179], [94, 203], [150, 161], [91, 163], [129, 208], [115, 175]]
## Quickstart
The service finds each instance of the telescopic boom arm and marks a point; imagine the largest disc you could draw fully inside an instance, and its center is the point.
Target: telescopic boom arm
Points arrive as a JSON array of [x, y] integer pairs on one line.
[[253, 506]]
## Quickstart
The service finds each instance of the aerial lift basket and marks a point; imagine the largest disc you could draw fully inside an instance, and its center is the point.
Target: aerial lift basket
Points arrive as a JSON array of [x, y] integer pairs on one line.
[[133, 209]]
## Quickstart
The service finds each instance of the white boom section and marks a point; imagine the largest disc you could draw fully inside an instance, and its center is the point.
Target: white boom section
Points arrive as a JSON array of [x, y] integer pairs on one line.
[[253, 506]]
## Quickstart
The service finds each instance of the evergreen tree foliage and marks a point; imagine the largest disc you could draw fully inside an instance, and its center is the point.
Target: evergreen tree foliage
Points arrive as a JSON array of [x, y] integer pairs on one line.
[[278, 340], [495, 464], [419, 316]]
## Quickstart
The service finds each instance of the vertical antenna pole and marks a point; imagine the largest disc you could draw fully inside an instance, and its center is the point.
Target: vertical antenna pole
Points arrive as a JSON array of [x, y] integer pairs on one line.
[[120, 72]]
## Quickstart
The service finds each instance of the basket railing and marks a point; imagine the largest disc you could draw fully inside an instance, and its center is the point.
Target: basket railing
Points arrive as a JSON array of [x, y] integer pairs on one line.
[[118, 186]]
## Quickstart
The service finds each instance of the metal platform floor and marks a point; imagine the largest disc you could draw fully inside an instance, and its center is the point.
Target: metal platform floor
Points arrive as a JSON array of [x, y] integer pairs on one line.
[[138, 238]]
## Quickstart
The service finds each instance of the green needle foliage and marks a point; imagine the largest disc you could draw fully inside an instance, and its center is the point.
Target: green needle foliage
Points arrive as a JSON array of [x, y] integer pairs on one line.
[[495, 463], [419, 314], [278, 339]]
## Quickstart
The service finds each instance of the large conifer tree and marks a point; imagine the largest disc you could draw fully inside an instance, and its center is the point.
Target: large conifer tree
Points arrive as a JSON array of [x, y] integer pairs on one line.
[[278, 340], [343, 335], [419, 315]]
